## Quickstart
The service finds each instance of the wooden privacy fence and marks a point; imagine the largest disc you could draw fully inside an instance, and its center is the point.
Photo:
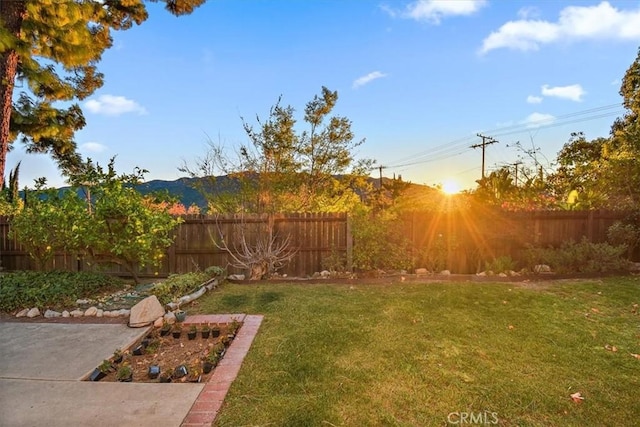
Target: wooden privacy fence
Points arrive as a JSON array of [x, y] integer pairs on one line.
[[458, 241], [312, 236], [462, 241]]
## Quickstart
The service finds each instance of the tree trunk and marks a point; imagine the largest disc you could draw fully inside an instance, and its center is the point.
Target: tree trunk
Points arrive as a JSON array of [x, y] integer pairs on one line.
[[11, 13]]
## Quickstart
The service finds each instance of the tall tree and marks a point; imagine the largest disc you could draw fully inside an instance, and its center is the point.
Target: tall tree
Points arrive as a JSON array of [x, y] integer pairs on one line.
[[53, 47]]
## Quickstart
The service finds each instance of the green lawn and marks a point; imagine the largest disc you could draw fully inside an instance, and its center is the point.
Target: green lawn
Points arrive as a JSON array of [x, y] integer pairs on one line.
[[411, 354]]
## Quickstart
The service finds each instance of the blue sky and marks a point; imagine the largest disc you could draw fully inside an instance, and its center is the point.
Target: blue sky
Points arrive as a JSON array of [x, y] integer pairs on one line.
[[418, 80]]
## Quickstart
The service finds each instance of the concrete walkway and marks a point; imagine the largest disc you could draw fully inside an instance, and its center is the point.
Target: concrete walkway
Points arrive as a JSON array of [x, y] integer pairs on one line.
[[41, 365]]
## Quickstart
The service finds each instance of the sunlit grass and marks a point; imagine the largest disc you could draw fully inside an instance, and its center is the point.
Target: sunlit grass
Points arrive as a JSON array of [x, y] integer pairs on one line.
[[410, 354]]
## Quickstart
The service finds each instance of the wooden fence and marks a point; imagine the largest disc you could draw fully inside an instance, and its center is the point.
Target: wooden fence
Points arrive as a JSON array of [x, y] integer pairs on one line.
[[313, 236], [466, 240], [458, 241]]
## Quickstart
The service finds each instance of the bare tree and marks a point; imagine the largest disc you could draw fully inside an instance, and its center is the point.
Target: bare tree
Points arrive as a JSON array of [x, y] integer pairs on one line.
[[262, 256]]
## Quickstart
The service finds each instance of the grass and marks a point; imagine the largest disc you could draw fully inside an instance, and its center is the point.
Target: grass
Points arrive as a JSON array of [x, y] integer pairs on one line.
[[411, 354]]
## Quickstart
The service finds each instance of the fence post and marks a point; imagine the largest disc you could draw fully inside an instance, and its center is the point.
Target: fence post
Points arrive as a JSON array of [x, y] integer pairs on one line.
[[349, 244]]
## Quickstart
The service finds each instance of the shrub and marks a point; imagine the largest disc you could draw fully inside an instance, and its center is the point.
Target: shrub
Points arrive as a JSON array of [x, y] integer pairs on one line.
[[501, 264], [625, 233], [378, 243], [23, 289], [581, 257], [178, 285]]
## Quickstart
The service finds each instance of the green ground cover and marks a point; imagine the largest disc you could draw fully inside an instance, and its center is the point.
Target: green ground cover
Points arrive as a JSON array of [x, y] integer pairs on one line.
[[423, 354]]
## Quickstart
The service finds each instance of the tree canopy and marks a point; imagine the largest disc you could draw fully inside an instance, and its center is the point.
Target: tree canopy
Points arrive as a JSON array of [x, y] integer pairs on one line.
[[281, 169], [53, 47]]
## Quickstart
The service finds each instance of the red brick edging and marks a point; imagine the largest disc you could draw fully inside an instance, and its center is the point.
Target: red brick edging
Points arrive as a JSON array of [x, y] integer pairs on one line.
[[209, 401]]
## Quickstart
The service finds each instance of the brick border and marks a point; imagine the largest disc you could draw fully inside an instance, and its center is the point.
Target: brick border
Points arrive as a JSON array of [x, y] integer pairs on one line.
[[206, 407]]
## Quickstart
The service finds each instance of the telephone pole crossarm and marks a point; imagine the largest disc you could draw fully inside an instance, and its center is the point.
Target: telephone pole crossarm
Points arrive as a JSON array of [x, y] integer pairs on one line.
[[486, 140]]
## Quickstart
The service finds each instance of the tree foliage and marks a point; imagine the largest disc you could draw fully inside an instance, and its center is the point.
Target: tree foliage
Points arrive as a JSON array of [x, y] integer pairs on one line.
[[283, 170], [53, 47], [112, 223]]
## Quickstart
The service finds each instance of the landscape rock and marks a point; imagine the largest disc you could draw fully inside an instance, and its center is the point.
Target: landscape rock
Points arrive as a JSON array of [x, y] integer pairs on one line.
[[124, 312], [159, 322], [34, 312], [542, 268], [325, 274], [145, 312], [170, 318], [82, 302], [100, 313], [422, 271], [445, 272], [634, 267], [22, 313], [50, 314], [91, 312], [482, 273], [236, 277], [66, 314], [502, 275], [77, 313]]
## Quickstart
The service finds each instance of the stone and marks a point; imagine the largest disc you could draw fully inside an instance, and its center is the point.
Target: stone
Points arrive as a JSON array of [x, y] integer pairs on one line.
[[22, 313], [325, 274], [145, 312], [445, 272], [66, 314], [77, 313], [482, 273], [159, 322], [50, 314], [82, 302], [421, 271], [634, 267], [124, 312], [542, 268], [170, 318], [502, 275], [34, 312], [91, 312], [100, 313], [236, 277]]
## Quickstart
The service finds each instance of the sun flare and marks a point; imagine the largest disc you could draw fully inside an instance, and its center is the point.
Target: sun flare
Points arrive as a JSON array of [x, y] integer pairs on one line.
[[450, 186]]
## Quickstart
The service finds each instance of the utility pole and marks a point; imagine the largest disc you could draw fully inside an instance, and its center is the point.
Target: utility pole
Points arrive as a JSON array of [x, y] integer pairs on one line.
[[380, 168], [516, 166], [486, 140]]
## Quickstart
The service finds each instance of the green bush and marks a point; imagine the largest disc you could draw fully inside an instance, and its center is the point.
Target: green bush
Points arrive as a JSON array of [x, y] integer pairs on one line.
[[178, 285], [52, 289], [501, 264], [581, 257], [378, 242]]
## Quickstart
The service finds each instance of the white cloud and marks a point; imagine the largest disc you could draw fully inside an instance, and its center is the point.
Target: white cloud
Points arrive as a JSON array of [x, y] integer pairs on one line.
[[111, 105], [602, 21], [529, 12], [535, 120], [433, 11], [572, 92], [361, 81], [93, 147], [532, 99]]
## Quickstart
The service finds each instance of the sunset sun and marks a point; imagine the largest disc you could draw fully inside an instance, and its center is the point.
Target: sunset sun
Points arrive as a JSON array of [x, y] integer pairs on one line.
[[450, 186]]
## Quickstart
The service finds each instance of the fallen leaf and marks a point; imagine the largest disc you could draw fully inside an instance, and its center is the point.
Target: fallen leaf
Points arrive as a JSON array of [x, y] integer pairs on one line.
[[611, 348], [511, 327], [637, 356], [577, 397], [595, 310], [634, 309], [504, 302]]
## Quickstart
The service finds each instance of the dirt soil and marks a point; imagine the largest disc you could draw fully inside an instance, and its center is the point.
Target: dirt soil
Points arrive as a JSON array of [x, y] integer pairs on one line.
[[168, 353]]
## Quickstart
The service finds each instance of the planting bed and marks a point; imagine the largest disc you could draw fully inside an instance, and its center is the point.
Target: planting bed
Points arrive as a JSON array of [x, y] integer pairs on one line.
[[171, 353]]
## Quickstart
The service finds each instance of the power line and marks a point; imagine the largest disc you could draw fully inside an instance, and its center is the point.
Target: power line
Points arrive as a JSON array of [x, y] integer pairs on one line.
[[454, 147]]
